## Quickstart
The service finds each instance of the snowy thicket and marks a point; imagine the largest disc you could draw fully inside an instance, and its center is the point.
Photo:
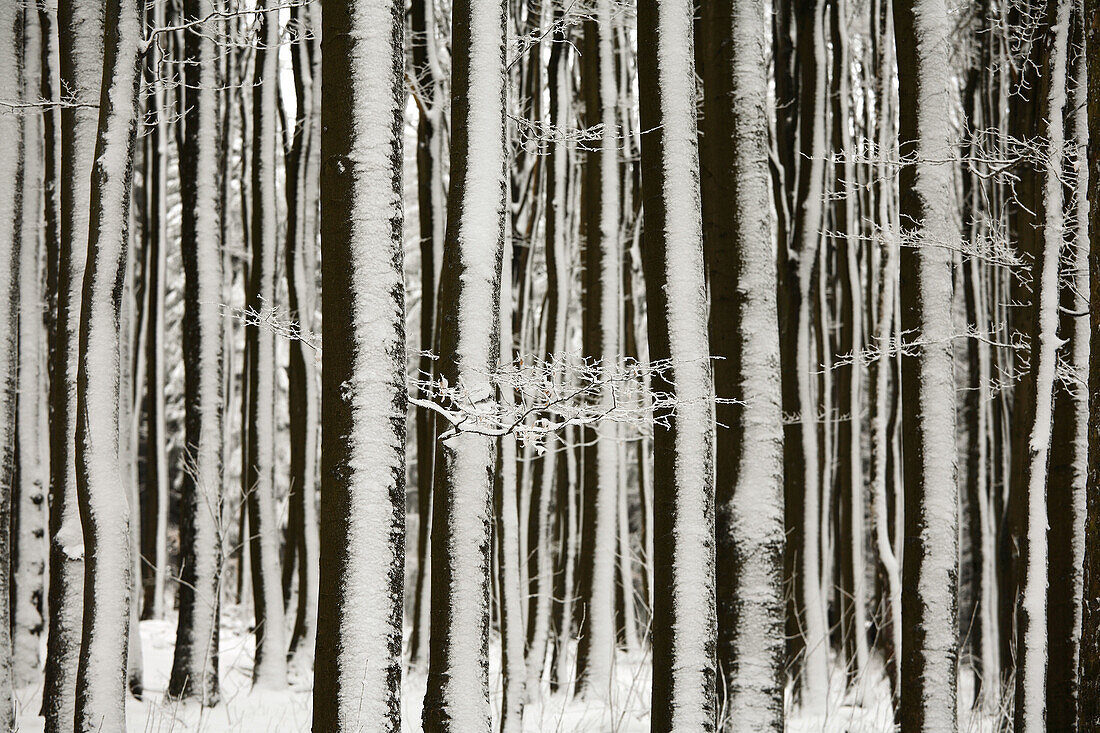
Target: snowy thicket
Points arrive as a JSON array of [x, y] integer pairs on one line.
[[475, 365]]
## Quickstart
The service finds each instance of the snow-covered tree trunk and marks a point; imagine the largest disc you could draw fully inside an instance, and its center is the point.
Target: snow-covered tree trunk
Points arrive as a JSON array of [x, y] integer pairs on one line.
[[270, 667], [602, 272], [11, 191], [684, 611], [1088, 708], [881, 369], [804, 174], [736, 192], [28, 510], [457, 697], [431, 206], [358, 659], [154, 520], [930, 564], [302, 538], [1069, 442], [513, 635], [80, 55], [1031, 616], [852, 588], [557, 285], [101, 494], [880, 447], [195, 662], [128, 464]]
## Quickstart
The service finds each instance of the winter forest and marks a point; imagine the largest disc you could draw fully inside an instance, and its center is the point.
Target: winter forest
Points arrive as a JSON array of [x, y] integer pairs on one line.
[[465, 366]]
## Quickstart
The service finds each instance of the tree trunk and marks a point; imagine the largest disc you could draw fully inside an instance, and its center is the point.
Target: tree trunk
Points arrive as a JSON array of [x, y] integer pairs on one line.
[[358, 661], [1088, 709], [600, 230], [302, 526], [930, 563], [12, 189], [744, 337], [80, 54], [195, 662], [270, 666], [457, 697], [157, 490], [28, 507], [431, 206], [512, 629], [1069, 443], [557, 284], [102, 497], [849, 376], [804, 162], [683, 487], [1031, 615]]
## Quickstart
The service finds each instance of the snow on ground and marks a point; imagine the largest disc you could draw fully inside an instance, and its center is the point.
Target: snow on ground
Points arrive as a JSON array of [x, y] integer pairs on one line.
[[864, 709]]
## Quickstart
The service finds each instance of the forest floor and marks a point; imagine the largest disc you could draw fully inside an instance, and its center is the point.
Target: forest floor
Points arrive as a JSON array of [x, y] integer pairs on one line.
[[863, 709]]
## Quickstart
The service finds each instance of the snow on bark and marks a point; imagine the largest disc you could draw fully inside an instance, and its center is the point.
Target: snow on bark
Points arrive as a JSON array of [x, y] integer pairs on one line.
[[431, 207], [1031, 669], [684, 612], [302, 166], [457, 696], [512, 627], [358, 660], [1069, 443], [557, 291], [927, 207], [80, 56], [852, 589], [195, 662], [736, 190], [29, 508], [1088, 708], [11, 130], [596, 647], [270, 667], [101, 492], [807, 624]]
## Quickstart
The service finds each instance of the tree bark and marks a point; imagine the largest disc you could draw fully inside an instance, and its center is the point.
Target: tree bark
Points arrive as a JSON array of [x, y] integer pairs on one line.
[[12, 188], [744, 336], [683, 487], [930, 562], [457, 697], [102, 496], [431, 206], [803, 157], [1069, 442], [195, 662], [548, 467], [80, 54], [270, 667], [602, 253], [1031, 615], [358, 661], [1088, 709], [302, 537], [28, 504]]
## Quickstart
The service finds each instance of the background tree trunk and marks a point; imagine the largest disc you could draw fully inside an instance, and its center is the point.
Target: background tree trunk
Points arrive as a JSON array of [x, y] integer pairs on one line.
[[195, 663], [270, 666]]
